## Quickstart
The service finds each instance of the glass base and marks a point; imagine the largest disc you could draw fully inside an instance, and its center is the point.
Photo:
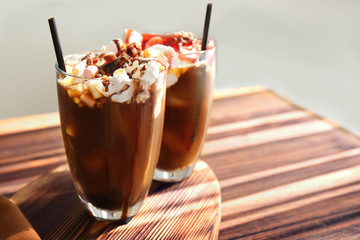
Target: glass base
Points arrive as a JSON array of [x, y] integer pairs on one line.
[[112, 215], [173, 176]]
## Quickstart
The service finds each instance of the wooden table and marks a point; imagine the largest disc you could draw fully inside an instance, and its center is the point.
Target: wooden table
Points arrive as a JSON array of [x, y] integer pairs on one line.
[[283, 171]]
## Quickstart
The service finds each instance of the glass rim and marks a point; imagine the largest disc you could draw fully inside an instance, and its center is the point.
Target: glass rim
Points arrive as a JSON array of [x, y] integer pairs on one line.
[[197, 52], [69, 74]]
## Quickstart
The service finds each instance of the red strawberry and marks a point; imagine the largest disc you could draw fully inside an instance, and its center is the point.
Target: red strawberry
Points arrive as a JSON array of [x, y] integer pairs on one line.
[[154, 40]]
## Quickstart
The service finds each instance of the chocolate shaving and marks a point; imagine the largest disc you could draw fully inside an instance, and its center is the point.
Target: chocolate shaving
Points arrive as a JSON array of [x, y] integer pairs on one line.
[[89, 57], [117, 43], [108, 69], [141, 60], [109, 58], [106, 84], [136, 86], [133, 50]]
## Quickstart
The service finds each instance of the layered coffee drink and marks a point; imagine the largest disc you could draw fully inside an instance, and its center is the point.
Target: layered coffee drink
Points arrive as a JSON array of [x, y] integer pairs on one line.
[[111, 105], [186, 118], [190, 84]]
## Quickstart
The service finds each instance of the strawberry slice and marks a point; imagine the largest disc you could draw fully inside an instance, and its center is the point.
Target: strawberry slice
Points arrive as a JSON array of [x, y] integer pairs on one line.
[[153, 41]]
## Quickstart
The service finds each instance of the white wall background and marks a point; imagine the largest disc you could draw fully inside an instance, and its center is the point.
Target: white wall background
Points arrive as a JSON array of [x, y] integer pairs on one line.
[[306, 50]]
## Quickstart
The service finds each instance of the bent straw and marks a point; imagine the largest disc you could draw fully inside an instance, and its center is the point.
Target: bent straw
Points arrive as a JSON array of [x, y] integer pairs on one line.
[[56, 42]]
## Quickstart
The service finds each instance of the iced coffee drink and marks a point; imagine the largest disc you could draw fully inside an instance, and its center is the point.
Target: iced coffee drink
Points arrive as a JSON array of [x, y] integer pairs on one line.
[[188, 99], [111, 105]]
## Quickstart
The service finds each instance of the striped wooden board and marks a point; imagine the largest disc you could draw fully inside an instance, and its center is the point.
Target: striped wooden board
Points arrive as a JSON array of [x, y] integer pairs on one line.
[[186, 210], [284, 172]]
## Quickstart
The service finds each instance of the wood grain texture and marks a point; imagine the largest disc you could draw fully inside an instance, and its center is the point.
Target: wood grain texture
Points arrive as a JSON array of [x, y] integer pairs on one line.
[[186, 210], [284, 172]]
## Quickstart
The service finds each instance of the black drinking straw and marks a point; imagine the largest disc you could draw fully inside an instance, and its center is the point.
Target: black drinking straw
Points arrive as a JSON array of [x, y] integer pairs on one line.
[[56, 42], [206, 27]]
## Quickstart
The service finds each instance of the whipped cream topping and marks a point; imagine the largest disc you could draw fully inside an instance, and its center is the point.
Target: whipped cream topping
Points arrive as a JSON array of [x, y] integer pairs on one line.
[[122, 72], [117, 83], [175, 62], [151, 72], [180, 48]]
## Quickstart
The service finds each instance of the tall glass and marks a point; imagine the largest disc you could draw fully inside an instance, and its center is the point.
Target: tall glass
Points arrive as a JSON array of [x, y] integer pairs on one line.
[[187, 108], [112, 148]]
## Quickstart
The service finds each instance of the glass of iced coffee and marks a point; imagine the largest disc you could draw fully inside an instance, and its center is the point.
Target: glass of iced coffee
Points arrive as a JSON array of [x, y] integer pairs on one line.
[[190, 83], [111, 105]]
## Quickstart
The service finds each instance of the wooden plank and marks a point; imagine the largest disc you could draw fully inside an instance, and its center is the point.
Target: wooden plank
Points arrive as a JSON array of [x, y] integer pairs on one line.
[[26, 155], [284, 172], [28, 123], [235, 92], [186, 210]]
